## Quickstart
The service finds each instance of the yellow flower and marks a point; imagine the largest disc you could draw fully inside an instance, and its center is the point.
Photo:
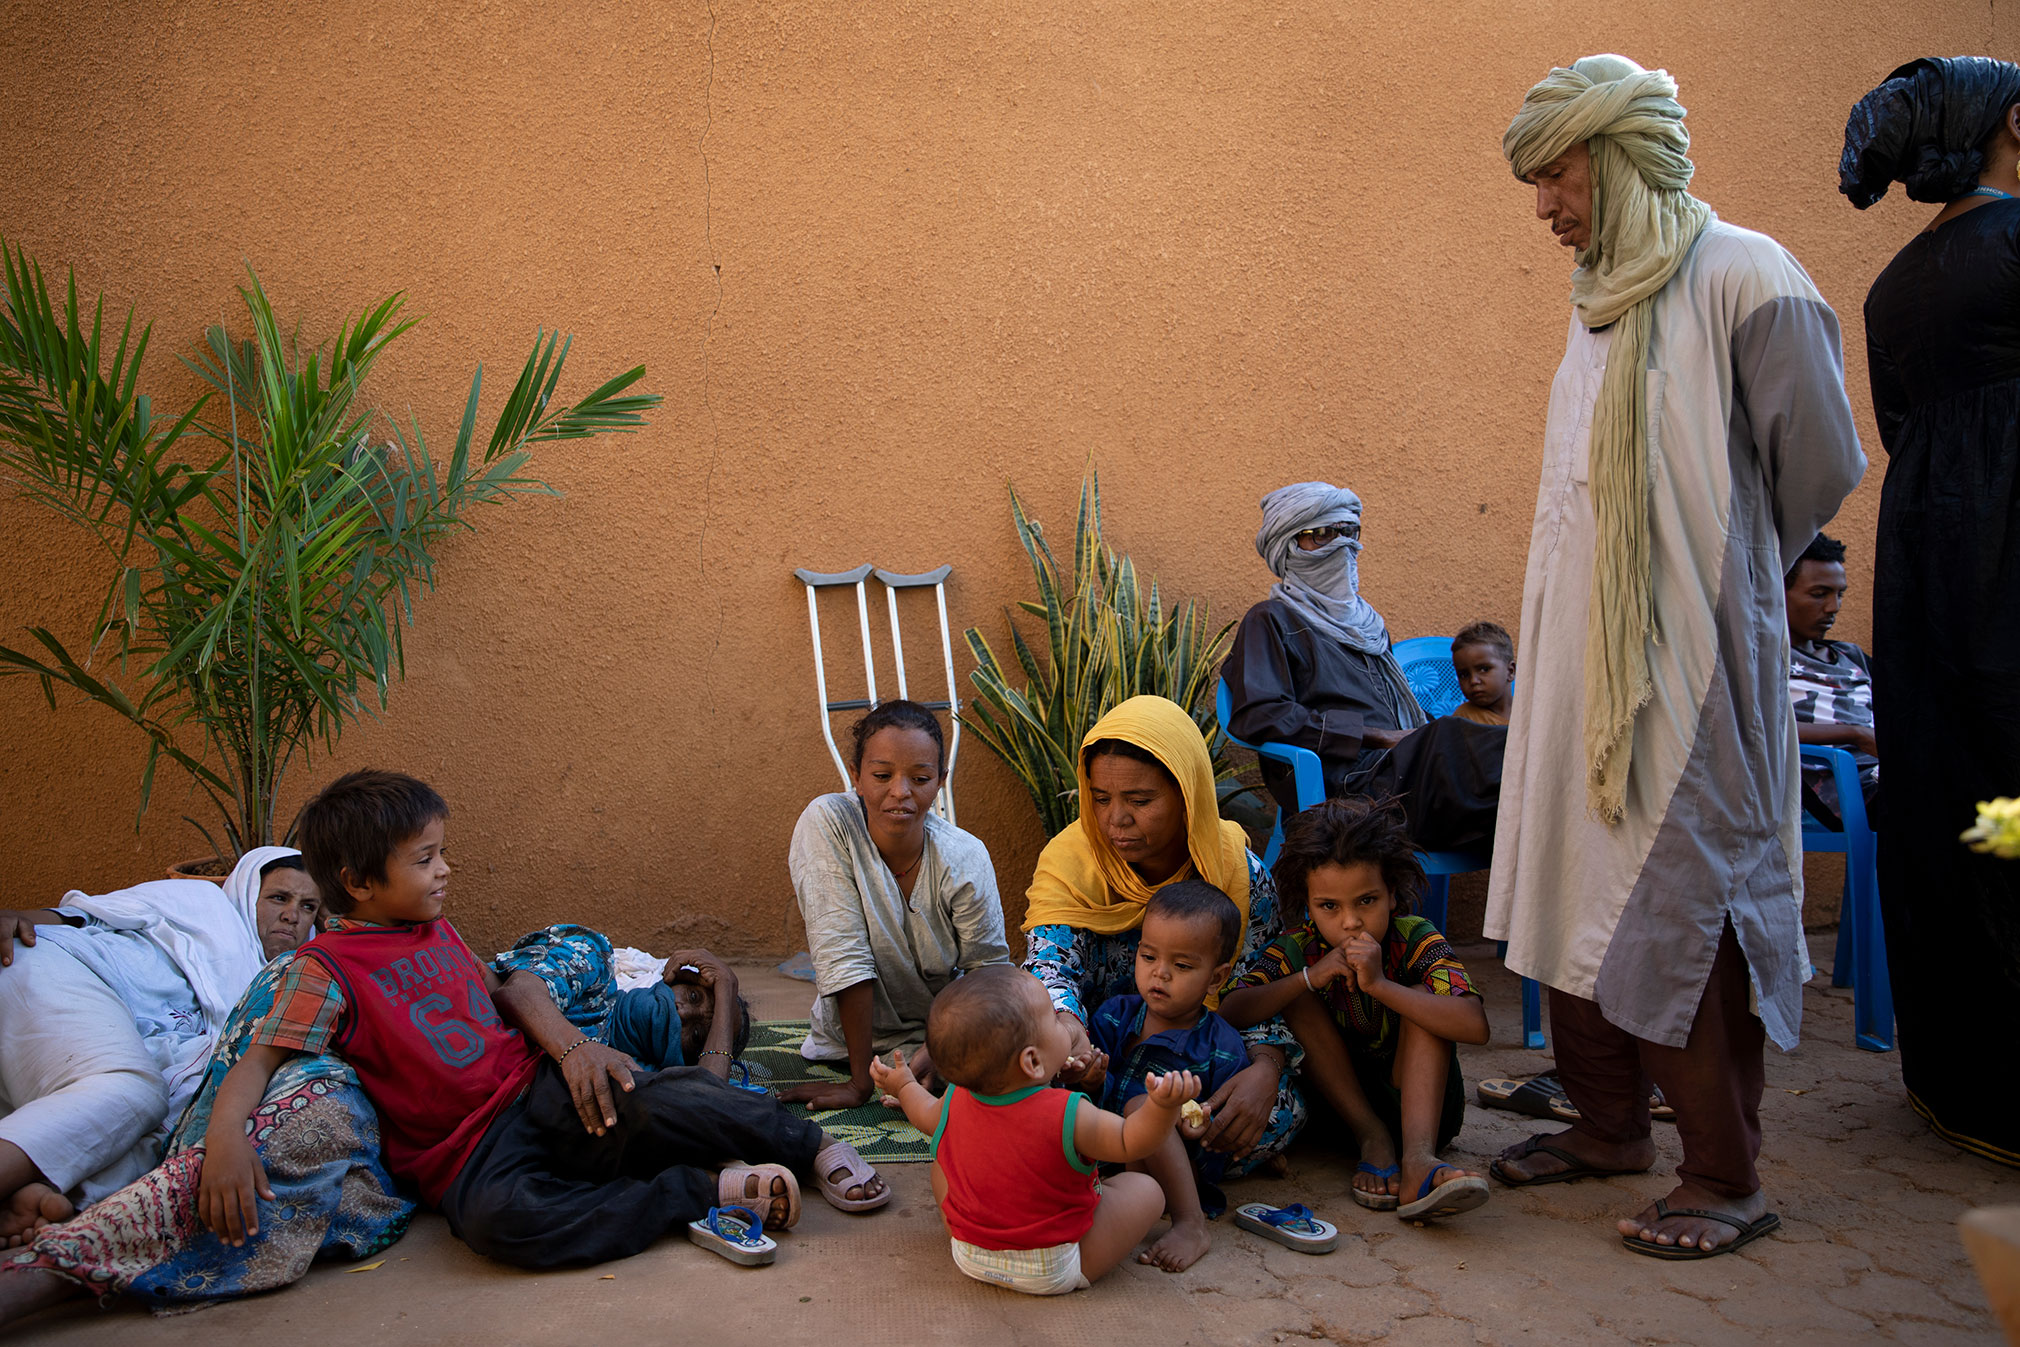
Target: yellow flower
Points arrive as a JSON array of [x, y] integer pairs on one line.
[[1997, 831]]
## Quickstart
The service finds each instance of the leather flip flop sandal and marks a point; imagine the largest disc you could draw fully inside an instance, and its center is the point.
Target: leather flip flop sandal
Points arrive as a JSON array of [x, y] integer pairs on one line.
[[1577, 1170], [1678, 1253]]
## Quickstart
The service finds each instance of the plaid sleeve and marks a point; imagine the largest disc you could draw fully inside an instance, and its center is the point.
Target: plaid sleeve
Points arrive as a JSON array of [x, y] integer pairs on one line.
[[1226, 1058], [1429, 961], [308, 1009]]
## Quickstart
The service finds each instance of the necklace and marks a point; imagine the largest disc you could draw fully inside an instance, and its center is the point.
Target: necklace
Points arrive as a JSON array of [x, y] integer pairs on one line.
[[1989, 191], [908, 869]]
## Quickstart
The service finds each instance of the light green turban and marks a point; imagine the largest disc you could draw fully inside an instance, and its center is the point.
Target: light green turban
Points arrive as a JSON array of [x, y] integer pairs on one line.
[[1643, 223]]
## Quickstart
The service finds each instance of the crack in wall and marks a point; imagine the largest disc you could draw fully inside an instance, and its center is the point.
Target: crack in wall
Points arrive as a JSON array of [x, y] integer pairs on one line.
[[707, 336]]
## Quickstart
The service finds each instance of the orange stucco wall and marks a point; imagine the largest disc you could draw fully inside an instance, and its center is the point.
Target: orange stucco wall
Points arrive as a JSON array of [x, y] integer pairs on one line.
[[882, 260]]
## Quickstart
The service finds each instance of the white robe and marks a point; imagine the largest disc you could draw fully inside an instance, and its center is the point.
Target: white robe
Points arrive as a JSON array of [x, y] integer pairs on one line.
[[1752, 449]]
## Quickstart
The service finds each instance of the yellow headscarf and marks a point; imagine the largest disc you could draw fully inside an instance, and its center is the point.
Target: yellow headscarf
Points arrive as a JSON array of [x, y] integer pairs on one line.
[[1082, 881]]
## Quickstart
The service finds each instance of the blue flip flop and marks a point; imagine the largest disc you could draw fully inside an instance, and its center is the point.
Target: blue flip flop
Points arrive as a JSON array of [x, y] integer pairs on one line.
[[736, 1233], [1376, 1201], [1294, 1227], [1445, 1199]]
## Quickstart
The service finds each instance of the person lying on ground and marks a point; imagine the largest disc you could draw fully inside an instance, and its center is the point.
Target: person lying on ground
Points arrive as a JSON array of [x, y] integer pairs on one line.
[[1378, 1001], [1190, 932], [564, 1153], [317, 1139], [1830, 682], [111, 1004], [1313, 666], [897, 901], [1483, 658], [1149, 818], [1014, 1163]]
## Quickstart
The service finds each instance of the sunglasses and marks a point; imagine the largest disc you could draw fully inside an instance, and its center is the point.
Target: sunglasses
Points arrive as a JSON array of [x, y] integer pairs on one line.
[[1319, 537]]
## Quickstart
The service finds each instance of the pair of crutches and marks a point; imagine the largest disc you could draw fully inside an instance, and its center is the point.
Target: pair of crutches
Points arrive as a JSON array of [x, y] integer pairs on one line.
[[816, 581]]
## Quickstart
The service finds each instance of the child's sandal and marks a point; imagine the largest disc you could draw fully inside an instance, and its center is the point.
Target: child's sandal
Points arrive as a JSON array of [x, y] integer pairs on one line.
[[734, 1233], [748, 1186], [1294, 1227]]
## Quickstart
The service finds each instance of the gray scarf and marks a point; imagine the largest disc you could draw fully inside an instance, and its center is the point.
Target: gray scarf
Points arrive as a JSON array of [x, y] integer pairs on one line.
[[1324, 586]]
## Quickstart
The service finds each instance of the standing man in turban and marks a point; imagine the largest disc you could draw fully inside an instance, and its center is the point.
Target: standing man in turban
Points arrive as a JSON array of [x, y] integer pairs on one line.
[[1647, 867]]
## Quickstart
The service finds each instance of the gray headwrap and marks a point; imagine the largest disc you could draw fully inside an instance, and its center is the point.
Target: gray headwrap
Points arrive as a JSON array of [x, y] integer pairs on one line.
[[1924, 126], [1324, 586]]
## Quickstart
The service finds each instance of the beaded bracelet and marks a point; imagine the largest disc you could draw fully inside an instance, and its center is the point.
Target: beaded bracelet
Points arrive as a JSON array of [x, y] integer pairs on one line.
[[717, 1052], [570, 1048]]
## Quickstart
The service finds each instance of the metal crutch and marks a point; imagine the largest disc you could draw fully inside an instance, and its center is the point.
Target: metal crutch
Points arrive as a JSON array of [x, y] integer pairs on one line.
[[815, 581], [937, 578]]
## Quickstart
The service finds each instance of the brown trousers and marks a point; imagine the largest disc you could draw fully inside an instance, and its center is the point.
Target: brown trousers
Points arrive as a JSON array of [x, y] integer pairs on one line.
[[1714, 1081]]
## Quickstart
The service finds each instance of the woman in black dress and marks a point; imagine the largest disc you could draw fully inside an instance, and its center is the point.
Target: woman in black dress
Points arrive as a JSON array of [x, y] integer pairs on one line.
[[1943, 348]]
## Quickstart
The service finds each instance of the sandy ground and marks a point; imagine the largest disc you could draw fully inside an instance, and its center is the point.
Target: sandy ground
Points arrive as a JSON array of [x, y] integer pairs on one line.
[[1868, 1252]]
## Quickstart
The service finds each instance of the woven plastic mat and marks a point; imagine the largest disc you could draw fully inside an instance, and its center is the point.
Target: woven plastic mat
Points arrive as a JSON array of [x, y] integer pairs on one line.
[[881, 1134]]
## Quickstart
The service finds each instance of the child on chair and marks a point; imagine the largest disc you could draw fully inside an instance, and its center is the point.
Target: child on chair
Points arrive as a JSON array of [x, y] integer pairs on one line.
[[1483, 658], [1190, 931], [543, 1147], [1013, 1160], [1376, 998]]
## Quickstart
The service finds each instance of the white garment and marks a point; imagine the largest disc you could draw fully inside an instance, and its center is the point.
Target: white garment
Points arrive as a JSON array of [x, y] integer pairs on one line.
[[861, 927], [1053, 1271], [1751, 450], [79, 1091], [196, 925], [242, 889]]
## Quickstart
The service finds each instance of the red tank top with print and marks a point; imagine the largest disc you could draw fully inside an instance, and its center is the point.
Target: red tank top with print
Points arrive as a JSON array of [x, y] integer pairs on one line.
[[427, 1044], [1014, 1180]]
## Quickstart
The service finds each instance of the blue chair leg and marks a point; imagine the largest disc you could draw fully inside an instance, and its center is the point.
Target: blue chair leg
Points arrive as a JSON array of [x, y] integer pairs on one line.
[[1532, 1006], [1276, 842], [1844, 960], [1873, 994], [1532, 1014], [1436, 893]]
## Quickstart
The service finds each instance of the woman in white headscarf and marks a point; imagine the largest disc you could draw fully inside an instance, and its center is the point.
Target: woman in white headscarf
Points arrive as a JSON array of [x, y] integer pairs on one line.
[[111, 1015], [1312, 666]]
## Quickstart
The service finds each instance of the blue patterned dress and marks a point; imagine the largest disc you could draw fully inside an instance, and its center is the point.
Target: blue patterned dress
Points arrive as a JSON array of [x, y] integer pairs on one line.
[[317, 1138], [1082, 969]]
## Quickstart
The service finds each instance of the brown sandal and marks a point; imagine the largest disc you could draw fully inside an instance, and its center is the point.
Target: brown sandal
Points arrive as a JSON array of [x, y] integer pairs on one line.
[[741, 1185]]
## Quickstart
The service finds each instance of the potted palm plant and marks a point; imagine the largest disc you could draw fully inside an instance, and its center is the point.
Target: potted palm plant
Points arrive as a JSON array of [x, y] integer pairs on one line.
[[265, 548], [1106, 639]]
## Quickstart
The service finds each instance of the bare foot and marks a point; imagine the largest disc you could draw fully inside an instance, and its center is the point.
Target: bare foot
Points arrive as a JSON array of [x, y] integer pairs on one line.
[[1378, 1149], [1694, 1232], [1630, 1156], [32, 1206], [1182, 1246]]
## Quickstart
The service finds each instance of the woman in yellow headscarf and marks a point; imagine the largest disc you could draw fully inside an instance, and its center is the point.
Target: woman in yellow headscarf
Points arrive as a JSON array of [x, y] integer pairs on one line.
[[1149, 817]]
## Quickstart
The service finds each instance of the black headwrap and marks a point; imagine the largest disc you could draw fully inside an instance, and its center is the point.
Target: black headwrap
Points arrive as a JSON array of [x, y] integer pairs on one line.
[[1925, 127]]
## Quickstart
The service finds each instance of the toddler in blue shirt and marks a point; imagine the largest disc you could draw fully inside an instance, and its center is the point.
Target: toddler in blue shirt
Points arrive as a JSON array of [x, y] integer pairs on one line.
[[1187, 944]]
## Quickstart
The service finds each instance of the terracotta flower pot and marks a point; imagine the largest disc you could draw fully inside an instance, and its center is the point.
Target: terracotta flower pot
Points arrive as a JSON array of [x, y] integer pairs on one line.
[[210, 868]]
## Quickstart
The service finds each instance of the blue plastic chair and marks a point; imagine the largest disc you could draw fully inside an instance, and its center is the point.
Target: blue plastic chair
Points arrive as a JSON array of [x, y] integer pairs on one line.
[[1427, 667], [1309, 782], [1861, 958]]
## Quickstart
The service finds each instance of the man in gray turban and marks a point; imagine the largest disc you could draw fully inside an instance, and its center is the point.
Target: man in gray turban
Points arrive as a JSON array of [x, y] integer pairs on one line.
[[1647, 863], [1311, 665]]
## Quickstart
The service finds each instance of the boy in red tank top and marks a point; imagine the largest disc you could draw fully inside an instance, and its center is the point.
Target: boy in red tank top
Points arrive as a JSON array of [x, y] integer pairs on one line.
[[543, 1147], [1013, 1161]]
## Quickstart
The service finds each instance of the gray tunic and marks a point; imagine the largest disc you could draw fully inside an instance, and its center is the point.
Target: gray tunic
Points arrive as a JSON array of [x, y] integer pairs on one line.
[[860, 927], [1751, 450]]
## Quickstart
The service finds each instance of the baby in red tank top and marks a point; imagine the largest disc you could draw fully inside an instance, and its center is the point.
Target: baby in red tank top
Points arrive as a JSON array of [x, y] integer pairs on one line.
[[1014, 1160]]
